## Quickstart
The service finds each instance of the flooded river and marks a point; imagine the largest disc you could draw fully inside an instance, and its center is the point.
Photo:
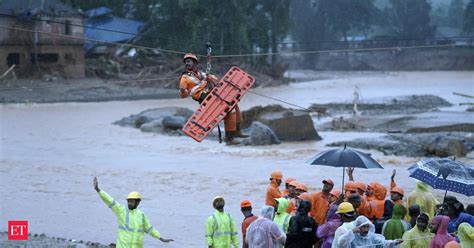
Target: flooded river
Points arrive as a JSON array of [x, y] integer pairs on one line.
[[49, 154]]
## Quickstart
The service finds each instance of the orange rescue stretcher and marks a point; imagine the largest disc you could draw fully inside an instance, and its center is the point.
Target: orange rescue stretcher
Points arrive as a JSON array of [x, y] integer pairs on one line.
[[218, 103]]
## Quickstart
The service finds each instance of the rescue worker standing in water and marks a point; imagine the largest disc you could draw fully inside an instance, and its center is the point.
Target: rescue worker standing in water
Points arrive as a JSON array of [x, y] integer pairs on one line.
[[198, 85], [133, 223]]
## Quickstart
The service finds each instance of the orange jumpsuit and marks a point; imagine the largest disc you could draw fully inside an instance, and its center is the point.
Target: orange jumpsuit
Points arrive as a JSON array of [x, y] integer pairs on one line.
[[319, 207], [273, 192], [196, 86], [377, 205]]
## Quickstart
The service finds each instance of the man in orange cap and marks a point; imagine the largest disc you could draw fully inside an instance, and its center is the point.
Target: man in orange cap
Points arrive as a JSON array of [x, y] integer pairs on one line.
[[396, 193], [320, 202], [364, 208], [334, 195], [198, 85], [349, 188], [292, 197], [286, 191], [246, 208], [377, 204], [273, 191]]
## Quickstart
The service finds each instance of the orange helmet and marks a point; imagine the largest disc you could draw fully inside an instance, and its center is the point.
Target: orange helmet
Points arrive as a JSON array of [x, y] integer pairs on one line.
[[276, 175], [190, 56], [398, 190], [302, 186], [361, 186], [294, 183], [245, 204], [350, 186], [289, 180], [335, 192]]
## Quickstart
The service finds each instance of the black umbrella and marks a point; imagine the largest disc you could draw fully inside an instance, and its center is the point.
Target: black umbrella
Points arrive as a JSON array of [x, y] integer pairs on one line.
[[345, 157], [445, 173]]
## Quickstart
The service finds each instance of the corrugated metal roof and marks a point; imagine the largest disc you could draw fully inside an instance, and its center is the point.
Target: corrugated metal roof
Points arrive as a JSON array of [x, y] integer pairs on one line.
[[98, 12], [110, 22]]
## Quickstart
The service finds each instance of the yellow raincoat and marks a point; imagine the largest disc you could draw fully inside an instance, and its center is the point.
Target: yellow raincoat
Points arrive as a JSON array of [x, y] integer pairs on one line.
[[466, 235], [424, 198], [221, 231], [415, 238], [133, 224]]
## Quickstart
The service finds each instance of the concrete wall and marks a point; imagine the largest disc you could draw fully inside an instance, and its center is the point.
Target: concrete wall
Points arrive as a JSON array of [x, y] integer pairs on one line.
[[69, 63], [38, 54]]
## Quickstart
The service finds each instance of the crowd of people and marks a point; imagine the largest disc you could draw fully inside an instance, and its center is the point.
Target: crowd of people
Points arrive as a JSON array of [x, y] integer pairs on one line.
[[358, 216]]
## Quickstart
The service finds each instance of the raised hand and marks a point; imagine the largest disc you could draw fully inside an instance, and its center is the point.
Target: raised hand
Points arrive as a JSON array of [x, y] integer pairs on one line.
[[96, 184]]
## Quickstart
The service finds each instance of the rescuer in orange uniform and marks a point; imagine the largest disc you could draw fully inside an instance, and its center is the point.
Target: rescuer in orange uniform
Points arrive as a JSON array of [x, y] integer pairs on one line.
[[273, 191], [198, 85]]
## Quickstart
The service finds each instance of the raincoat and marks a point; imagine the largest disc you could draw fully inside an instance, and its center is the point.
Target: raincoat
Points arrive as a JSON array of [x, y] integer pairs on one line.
[[327, 230], [441, 237], [302, 229], [133, 224], [466, 235], [221, 231], [351, 239], [282, 218], [377, 205], [272, 193], [245, 224], [340, 232], [319, 207], [465, 217], [423, 197], [415, 238], [396, 226], [263, 232]]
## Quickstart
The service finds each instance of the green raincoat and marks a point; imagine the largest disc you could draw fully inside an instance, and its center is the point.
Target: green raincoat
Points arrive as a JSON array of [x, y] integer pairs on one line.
[[133, 224], [282, 218], [395, 227], [221, 231]]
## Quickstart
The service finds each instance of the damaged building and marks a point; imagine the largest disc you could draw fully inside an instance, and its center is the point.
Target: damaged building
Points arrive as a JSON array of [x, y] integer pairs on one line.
[[35, 53]]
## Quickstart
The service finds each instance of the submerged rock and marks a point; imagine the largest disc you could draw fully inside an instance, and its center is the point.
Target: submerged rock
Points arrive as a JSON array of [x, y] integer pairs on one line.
[[288, 124], [157, 120], [416, 145], [259, 135]]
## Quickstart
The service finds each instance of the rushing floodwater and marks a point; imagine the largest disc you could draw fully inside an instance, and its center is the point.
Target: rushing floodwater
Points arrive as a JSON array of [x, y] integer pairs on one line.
[[49, 154]]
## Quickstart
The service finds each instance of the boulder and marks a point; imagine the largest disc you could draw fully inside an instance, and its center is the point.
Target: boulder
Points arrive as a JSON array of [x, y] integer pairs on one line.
[[155, 126], [288, 124], [174, 122], [442, 146], [158, 119], [259, 135]]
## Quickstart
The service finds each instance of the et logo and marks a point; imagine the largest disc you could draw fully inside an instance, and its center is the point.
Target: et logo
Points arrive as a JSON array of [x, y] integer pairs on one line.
[[17, 230]]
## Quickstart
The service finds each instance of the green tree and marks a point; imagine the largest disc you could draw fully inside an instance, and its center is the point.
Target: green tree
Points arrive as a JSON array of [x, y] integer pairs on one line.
[[409, 19], [455, 13], [469, 17]]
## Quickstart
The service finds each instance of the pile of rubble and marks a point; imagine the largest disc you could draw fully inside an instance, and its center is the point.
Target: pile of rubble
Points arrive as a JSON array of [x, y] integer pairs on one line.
[[151, 68]]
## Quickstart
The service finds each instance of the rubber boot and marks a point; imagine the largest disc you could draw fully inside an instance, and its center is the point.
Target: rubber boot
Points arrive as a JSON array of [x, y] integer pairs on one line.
[[238, 132], [229, 138]]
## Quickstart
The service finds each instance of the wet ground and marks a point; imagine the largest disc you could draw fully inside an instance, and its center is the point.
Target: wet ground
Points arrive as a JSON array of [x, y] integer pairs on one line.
[[51, 152]]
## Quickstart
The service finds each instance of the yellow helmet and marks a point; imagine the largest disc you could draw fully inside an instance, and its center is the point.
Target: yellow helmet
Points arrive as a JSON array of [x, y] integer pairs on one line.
[[344, 208], [134, 195]]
